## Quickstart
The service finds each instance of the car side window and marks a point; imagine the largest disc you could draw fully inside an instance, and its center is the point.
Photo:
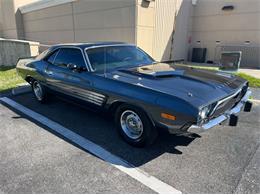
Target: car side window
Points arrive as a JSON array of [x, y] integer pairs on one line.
[[67, 56], [51, 57]]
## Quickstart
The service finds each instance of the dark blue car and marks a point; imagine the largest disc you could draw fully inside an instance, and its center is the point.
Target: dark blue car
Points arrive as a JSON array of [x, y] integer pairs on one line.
[[143, 95]]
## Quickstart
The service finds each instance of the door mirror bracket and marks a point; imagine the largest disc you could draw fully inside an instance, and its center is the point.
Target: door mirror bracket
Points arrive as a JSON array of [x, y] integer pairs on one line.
[[75, 67], [72, 66]]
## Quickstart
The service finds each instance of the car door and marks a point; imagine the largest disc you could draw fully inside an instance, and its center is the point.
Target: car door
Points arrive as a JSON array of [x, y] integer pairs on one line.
[[76, 83]]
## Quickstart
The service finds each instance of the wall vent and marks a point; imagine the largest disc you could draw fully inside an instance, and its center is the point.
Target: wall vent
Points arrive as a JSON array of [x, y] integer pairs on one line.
[[228, 8]]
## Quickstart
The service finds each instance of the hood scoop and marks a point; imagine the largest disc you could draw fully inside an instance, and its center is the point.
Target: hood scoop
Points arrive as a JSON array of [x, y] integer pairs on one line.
[[164, 74], [157, 71]]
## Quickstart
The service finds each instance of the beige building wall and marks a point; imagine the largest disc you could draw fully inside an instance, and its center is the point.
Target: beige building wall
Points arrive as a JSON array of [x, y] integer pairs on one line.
[[49, 25], [1, 21], [19, 17], [150, 25], [183, 25], [145, 25], [164, 26], [131, 21], [211, 24], [82, 21], [109, 20], [166, 29], [172, 20], [156, 31], [19, 3], [9, 20]]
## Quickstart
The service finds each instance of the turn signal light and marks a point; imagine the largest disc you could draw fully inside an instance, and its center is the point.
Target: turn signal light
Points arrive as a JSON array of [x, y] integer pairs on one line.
[[168, 116]]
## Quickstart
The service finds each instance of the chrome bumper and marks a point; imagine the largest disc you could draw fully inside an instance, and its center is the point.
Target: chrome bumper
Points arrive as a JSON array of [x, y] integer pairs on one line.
[[223, 117]]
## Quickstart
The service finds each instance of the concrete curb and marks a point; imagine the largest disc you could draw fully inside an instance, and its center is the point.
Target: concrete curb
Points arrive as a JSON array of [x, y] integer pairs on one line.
[[21, 89]]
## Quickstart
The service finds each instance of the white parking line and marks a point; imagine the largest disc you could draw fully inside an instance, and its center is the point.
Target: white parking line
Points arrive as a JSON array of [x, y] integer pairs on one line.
[[141, 176]]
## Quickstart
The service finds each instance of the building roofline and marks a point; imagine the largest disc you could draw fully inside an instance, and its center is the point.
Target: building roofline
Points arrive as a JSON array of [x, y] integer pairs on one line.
[[20, 41], [41, 4]]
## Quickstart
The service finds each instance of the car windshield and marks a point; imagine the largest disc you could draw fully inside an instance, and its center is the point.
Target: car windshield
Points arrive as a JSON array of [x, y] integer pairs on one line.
[[110, 57]]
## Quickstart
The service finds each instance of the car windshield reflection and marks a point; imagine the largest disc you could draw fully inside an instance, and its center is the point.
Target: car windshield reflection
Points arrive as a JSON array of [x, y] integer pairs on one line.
[[103, 59]]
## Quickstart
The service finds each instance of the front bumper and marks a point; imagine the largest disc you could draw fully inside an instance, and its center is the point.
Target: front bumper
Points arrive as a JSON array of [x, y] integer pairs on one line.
[[222, 118]]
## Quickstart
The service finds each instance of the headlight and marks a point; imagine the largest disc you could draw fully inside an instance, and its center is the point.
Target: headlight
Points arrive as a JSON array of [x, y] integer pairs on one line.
[[204, 112]]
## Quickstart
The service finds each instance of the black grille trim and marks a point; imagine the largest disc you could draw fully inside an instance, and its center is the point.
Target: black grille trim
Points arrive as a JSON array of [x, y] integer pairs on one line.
[[229, 102]]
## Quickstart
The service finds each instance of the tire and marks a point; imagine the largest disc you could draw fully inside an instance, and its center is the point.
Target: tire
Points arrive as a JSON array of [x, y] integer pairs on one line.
[[39, 92], [134, 126]]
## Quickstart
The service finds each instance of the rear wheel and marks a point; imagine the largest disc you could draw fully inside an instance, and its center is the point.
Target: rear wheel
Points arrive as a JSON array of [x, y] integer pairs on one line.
[[134, 126], [39, 91]]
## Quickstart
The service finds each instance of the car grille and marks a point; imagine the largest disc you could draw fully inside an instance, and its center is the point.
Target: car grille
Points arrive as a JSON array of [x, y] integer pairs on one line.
[[229, 103]]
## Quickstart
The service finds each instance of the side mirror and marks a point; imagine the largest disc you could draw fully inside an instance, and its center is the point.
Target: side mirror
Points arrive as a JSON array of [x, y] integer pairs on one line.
[[73, 66]]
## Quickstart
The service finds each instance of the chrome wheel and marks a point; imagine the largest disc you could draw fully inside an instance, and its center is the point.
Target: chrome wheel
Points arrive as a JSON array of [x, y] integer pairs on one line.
[[37, 89], [131, 124]]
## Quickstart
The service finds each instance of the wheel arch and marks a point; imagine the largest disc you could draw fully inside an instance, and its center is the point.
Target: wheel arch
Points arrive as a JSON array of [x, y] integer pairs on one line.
[[29, 79], [115, 105]]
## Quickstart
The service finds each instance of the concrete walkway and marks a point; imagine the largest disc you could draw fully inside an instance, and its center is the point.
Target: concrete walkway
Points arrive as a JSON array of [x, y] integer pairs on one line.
[[252, 72], [255, 93]]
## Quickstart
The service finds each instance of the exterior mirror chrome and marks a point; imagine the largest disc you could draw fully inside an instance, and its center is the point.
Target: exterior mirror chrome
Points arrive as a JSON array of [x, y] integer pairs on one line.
[[73, 66]]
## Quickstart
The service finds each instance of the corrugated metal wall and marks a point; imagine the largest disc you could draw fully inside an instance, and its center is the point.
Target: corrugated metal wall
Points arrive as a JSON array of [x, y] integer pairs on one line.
[[164, 23], [82, 21], [172, 23]]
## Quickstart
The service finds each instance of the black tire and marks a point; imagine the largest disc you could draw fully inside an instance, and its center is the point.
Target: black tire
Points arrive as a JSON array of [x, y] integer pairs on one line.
[[42, 96], [149, 132]]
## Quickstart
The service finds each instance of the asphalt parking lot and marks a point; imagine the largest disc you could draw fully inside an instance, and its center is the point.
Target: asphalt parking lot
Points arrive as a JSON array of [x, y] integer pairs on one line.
[[36, 159]]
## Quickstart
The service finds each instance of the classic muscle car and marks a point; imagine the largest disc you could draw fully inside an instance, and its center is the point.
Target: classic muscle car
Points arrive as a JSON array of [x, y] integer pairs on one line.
[[142, 95]]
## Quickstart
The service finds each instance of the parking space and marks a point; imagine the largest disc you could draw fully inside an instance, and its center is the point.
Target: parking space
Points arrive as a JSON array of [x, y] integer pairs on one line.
[[37, 159]]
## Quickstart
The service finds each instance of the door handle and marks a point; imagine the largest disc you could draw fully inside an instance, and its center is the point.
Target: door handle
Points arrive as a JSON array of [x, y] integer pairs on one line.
[[49, 72]]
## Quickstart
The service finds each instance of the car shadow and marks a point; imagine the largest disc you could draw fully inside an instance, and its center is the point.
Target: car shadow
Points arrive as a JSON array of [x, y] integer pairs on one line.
[[99, 129]]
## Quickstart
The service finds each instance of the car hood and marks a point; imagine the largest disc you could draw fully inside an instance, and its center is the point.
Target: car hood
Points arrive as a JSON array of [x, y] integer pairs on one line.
[[197, 86]]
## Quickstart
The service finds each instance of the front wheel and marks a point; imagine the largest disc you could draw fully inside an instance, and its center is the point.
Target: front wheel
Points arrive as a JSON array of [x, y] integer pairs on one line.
[[134, 126], [39, 91]]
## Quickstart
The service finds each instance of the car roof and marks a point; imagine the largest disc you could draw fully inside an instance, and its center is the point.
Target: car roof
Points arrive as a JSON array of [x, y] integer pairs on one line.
[[88, 45]]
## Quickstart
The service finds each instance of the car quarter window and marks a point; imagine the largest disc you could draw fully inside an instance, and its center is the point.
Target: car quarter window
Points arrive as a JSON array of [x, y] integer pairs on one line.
[[43, 54], [51, 57], [67, 56]]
